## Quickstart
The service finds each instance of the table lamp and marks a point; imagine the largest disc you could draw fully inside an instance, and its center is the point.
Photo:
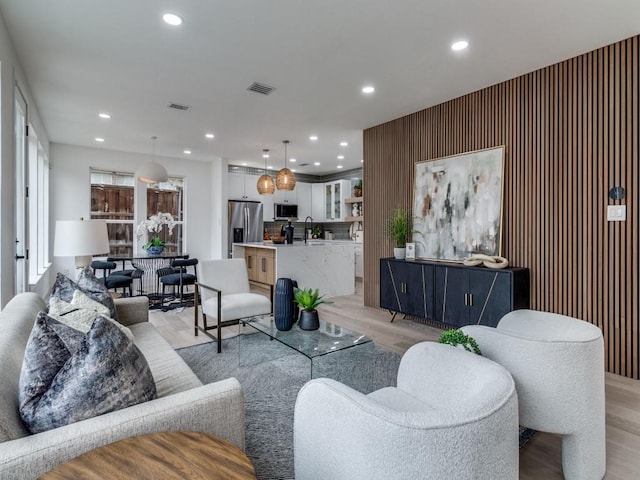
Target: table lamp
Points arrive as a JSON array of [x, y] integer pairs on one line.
[[81, 239]]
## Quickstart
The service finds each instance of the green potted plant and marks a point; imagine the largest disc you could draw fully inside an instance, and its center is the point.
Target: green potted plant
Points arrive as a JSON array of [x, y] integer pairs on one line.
[[308, 299], [459, 338], [397, 228], [357, 189]]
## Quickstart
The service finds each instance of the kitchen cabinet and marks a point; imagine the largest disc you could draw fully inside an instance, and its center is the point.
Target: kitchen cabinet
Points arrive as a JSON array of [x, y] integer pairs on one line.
[[261, 265], [304, 200], [459, 295], [317, 202], [407, 287], [335, 193], [359, 260], [479, 295], [284, 196], [267, 208], [242, 186]]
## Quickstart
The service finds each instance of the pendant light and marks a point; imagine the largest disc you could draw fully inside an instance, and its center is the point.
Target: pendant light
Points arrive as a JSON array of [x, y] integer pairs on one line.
[[266, 185], [152, 172], [285, 179]]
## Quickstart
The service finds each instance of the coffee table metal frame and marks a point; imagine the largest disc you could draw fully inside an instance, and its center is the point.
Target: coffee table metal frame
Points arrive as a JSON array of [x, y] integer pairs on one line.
[[329, 338]]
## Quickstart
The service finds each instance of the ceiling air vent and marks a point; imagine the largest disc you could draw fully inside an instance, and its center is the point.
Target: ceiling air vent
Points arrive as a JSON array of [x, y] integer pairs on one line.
[[303, 164], [178, 106], [260, 88]]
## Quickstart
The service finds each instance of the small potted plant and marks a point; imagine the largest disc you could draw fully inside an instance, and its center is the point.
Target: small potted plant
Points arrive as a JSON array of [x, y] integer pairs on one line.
[[459, 338], [397, 229], [154, 225], [308, 299], [357, 189]]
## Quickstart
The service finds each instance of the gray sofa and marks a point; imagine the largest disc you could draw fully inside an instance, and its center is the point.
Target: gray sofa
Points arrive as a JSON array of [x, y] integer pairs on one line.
[[183, 403]]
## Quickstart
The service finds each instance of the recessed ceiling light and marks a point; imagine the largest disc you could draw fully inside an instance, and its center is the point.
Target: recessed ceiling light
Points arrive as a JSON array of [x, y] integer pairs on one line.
[[292, 160], [339, 167], [104, 115], [368, 89], [340, 157], [244, 164], [265, 155], [188, 152], [460, 45], [209, 135], [98, 139], [270, 167], [172, 19], [293, 169], [344, 144], [313, 138], [361, 161], [316, 164]]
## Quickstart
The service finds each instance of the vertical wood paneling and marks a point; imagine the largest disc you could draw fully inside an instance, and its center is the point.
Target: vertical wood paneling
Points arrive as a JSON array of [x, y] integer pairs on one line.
[[571, 133]]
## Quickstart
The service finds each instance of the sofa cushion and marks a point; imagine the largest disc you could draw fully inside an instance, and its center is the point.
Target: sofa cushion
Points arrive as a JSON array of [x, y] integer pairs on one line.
[[88, 284], [58, 386], [81, 312], [237, 305]]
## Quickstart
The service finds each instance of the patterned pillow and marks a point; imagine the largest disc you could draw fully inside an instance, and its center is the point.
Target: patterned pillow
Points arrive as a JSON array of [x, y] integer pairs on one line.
[[89, 284], [59, 386], [81, 312]]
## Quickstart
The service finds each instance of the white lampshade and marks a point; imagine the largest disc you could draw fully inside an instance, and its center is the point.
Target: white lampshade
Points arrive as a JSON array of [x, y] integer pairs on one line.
[[152, 172], [81, 239]]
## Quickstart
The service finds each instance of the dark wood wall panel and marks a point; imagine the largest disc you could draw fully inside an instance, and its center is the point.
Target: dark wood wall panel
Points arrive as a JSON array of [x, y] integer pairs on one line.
[[571, 133]]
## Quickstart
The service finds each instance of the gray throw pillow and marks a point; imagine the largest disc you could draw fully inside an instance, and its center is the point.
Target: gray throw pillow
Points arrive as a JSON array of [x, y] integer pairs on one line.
[[89, 284], [59, 386]]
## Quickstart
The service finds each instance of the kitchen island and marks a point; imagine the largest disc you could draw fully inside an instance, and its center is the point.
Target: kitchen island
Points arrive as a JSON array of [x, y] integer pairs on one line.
[[322, 264]]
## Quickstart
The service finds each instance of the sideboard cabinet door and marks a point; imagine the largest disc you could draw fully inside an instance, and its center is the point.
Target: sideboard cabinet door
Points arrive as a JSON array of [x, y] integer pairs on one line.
[[406, 287]]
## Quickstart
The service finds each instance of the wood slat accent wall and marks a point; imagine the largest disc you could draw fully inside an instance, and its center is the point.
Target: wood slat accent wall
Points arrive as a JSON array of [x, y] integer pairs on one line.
[[571, 133]]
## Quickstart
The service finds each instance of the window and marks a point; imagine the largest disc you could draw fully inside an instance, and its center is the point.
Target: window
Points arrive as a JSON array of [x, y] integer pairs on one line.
[[112, 196], [38, 208], [168, 197]]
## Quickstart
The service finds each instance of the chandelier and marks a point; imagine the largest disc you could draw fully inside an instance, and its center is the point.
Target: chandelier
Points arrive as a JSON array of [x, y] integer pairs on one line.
[[285, 179]]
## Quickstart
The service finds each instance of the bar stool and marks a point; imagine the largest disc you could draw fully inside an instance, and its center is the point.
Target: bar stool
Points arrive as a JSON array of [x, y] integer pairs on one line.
[[177, 276]]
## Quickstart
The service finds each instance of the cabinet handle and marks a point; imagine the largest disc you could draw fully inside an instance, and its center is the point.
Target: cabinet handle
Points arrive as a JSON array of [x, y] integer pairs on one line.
[[263, 265], [466, 299], [471, 299], [249, 262]]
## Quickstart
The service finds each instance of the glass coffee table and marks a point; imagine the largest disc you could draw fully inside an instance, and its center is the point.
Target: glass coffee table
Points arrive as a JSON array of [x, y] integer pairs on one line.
[[329, 339]]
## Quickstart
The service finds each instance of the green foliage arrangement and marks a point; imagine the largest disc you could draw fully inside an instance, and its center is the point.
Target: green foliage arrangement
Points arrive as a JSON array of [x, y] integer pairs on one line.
[[458, 337], [308, 299], [398, 227]]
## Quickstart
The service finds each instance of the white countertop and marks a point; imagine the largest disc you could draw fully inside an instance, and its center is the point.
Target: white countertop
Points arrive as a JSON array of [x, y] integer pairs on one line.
[[310, 243]]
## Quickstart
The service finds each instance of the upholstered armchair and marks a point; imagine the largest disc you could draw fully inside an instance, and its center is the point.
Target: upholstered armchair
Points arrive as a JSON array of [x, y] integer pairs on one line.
[[225, 295], [557, 363], [453, 414]]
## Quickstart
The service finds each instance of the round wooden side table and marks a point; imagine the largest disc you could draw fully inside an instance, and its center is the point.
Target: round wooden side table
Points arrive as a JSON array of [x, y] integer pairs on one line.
[[161, 455]]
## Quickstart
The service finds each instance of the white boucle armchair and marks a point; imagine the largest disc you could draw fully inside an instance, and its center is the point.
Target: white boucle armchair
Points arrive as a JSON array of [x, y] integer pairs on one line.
[[452, 415], [557, 363]]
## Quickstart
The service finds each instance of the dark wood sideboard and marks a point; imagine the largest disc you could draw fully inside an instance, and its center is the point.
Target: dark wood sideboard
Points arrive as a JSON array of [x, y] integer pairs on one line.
[[451, 293]]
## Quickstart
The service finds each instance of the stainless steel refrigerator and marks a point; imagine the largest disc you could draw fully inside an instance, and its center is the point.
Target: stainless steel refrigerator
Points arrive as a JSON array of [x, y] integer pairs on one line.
[[245, 222]]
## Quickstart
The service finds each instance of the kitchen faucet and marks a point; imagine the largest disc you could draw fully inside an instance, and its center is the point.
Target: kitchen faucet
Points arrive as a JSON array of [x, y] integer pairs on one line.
[[305, 227]]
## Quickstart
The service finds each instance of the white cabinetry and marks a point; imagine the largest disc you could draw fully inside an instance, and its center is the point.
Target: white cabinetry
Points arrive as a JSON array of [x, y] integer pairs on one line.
[[359, 260], [335, 193], [284, 196], [242, 186], [304, 200], [267, 207], [317, 202]]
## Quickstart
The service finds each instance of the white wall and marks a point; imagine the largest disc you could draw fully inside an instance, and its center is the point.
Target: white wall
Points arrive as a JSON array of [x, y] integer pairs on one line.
[[71, 193], [10, 74]]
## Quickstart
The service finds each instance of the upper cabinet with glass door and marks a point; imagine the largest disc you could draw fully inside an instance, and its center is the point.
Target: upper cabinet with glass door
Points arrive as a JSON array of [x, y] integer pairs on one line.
[[335, 194]]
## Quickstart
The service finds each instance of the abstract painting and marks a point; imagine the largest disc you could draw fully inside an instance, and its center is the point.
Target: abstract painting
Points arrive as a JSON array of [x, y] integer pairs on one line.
[[457, 205]]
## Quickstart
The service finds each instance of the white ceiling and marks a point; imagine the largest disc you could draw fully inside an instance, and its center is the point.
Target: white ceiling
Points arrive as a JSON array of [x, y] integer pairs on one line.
[[82, 57]]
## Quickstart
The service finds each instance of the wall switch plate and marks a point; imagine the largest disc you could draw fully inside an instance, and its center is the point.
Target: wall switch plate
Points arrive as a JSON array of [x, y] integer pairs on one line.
[[616, 213]]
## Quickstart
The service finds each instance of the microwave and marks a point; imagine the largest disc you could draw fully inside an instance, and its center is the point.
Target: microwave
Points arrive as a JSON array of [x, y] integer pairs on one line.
[[285, 211]]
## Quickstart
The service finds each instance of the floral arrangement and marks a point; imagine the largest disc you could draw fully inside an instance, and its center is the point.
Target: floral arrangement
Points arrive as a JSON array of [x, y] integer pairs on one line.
[[154, 224]]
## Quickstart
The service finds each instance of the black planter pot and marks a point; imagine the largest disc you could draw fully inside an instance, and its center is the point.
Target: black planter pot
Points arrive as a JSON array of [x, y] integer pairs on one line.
[[283, 311], [309, 320]]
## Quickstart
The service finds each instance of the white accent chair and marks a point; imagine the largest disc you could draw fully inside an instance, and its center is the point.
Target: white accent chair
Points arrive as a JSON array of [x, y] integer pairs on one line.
[[453, 414], [224, 291], [557, 363]]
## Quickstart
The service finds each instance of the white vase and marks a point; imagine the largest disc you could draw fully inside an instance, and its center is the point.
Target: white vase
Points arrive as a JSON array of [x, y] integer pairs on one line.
[[399, 253]]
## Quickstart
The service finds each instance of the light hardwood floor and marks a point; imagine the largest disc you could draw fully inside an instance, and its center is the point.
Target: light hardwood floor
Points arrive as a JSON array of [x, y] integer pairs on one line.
[[541, 457]]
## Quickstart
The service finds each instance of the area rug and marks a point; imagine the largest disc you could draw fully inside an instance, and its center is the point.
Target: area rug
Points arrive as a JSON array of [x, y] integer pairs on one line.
[[271, 376]]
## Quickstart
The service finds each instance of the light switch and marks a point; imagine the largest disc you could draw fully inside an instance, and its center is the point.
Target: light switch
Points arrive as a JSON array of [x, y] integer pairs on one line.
[[616, 213]]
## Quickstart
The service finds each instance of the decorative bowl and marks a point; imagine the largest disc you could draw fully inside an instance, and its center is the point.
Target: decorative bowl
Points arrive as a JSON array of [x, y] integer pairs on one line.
[[277, 239]]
